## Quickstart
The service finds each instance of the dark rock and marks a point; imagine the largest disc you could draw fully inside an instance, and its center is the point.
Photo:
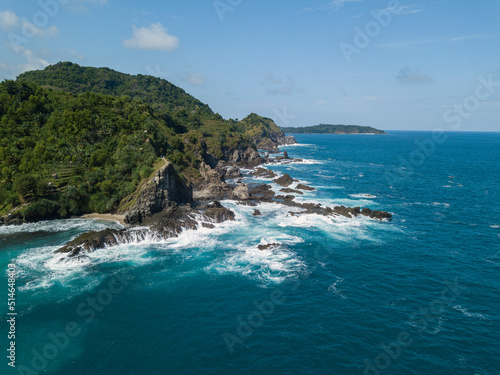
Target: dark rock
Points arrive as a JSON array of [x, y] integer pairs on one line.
[[284, 180], [262, 192], [292, 191], [263, 172], [286, 198], [233, 172], [305, 187], [380, 215], [165, 187], [285, 155], [208, 225], [268, 246], [218, 212], [90, 241], [257, 213]]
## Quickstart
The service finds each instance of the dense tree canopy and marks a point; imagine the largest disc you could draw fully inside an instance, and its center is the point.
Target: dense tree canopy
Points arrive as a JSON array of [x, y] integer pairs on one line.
[[75, 140]]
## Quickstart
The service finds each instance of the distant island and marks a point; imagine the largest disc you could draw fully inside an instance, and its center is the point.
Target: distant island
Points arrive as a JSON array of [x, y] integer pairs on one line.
[[333, 129]]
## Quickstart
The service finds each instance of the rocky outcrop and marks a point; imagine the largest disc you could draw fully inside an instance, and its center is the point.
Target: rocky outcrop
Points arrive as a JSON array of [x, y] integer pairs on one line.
[[233, 172], [219, 213], [263, 172], [240, 192], [91, 241], [155, 195], [284, 180], [305, 187], [291, 191], [244, 157], [162, 225], [284, 139]]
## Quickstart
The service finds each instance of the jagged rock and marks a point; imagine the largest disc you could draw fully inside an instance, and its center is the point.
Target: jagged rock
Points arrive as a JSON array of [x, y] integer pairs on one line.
[[262, 192], [233, 172], [285, 155], [90, 241], [285, 198], [240, 192], [267, 144], [257, 213], [263, 172], [284, 180], [162, 225], [292, 191], [211, 192], [165, 187], [218, 212], [305, 187], [286, 140], [268, 246], [376, 214]]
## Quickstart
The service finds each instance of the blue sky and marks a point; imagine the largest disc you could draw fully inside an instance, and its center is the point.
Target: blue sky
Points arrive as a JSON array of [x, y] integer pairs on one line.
[[394, 65]]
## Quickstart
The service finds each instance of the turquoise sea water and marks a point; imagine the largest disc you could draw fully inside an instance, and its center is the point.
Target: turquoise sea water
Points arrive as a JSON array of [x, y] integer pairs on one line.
[[417, 295]]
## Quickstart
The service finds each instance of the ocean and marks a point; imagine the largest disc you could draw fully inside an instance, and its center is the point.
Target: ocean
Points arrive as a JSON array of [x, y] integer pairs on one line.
[[416, 295]]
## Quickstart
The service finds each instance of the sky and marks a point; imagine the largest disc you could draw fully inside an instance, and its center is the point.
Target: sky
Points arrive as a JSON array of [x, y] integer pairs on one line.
[[390, 64]]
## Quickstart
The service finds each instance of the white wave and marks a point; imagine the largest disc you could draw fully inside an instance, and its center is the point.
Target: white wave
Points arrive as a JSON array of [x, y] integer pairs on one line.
[[307, 161], [336, 289], [298, 145], [446, 205], [269, 266], [495, 226], [464, 311], [361, 195], [59, 226]]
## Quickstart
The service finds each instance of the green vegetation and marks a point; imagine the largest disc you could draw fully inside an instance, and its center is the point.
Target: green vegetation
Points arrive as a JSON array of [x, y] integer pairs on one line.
[[75, 140], [333, 129]]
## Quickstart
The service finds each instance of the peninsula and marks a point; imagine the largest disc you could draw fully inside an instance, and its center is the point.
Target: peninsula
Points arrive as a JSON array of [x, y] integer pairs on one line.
[[79, 140], [333, 129]]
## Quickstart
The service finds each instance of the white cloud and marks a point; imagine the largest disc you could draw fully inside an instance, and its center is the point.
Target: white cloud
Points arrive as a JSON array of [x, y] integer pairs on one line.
[[33, 61], [153, 38], [196, 79], [8, 20]]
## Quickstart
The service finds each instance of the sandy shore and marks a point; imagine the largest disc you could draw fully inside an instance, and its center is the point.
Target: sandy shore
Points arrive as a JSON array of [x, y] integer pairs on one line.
[[112, 217]]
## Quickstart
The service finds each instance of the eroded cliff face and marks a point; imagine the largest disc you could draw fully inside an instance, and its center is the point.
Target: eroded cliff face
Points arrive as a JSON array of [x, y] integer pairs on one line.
[[165, 188]]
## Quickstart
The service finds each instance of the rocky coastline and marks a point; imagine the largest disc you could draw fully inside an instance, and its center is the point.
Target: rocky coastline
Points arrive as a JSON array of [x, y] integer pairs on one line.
[[165, 206]]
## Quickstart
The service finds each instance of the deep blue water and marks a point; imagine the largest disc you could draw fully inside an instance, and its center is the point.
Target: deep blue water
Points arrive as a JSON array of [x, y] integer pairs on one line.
[[417, 295]]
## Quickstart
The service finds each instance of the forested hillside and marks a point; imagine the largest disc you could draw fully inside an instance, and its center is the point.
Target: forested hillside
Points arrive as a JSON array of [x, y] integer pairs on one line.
[[75, 140]]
